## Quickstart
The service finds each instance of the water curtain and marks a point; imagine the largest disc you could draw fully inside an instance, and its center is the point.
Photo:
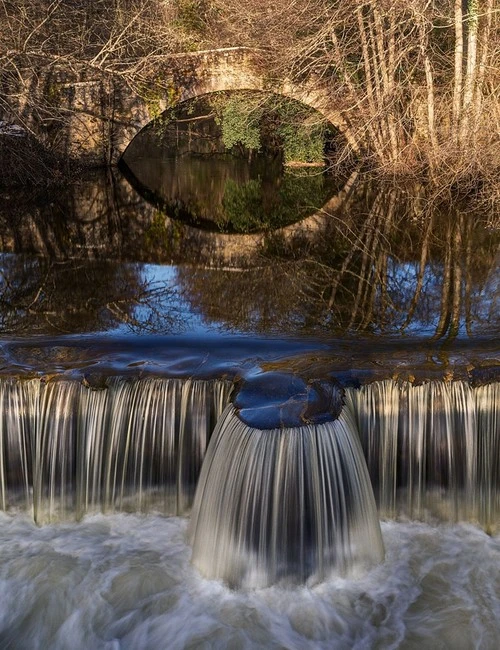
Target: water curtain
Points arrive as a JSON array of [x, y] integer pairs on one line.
[[289, 505], [433, 450], [67, 449], [285, 489]]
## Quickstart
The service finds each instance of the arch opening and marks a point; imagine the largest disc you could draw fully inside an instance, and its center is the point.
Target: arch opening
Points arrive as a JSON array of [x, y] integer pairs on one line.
[[235, 162], [298, 121]]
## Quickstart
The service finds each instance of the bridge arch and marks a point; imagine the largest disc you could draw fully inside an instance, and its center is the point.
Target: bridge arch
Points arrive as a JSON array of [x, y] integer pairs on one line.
[[193, 75]]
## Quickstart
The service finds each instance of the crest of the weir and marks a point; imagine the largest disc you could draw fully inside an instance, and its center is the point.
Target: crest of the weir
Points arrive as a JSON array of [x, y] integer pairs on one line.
[[292, 501]]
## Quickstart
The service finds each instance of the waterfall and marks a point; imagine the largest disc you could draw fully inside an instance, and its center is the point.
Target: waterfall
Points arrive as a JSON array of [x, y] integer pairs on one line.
[[67, 449], [284, 505], [432, 450]]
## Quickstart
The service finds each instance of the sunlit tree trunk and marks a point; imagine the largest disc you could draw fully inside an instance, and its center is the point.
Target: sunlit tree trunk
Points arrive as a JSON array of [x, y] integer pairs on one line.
[[470, 73], [429, 83], [459, 52], [485, 52], [370, 76], [386, 51]]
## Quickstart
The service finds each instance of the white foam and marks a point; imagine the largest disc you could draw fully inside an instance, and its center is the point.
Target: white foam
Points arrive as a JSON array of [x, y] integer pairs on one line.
[[125, 581]]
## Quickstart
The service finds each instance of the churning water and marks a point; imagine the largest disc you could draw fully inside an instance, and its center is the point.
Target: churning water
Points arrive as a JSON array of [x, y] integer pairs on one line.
[[125, 582], [290, 505]]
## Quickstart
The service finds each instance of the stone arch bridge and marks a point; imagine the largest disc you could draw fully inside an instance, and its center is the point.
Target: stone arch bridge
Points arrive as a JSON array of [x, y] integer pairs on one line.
[[104, 113]]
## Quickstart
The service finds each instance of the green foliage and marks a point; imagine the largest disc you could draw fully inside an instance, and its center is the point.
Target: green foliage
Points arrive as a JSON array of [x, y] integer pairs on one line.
[[301, 131], [473, 11], [242, 205], [251, 206], [239, 119], [303, 143], [255, 121], [152, 95], [156, 236], [53, 94]]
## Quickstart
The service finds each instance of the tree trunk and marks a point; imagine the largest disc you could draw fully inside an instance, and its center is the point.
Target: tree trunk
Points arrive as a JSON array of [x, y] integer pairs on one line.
[[485, 47], [470, 74], [459, 52], [429, 83]]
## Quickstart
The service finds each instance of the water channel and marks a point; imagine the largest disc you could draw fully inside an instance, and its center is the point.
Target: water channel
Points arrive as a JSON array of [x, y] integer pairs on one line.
[[247, 406]]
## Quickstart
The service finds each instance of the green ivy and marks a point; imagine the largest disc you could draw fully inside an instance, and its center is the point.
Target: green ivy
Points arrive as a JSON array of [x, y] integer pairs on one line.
[[242, 205], [156, 234], [247, 208], [302, 143], [240, 122], [190, 14], [255, 121]]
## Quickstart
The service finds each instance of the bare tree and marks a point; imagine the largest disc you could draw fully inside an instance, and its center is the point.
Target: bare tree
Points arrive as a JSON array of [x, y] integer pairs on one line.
[[416, 81], [113, 38]]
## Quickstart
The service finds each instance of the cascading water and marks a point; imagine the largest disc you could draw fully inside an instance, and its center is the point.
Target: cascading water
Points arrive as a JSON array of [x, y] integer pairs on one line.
[[284, 502], [289, 505], [66, 449], [433, 449]]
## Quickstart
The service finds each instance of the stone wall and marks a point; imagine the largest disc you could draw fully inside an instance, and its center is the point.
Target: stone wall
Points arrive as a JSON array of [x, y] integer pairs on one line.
[[92, 116]]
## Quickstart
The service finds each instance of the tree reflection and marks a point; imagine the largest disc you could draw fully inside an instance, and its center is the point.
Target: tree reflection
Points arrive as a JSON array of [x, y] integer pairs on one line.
[[382, 264], [42, 296], [98, 217], [228, 194]]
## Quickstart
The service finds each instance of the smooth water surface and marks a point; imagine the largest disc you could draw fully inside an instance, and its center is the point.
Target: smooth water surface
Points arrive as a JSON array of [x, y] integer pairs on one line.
[[375, 275]]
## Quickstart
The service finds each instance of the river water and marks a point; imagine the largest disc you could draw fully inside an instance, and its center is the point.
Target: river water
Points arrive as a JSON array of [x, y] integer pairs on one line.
[[116, 291], [125, 581]]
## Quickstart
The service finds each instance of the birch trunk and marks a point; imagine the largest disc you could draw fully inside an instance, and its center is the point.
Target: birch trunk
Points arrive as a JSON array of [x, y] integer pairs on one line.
[[429, 83], [485, 52], [459, 52], [369, 77], [470, 74]]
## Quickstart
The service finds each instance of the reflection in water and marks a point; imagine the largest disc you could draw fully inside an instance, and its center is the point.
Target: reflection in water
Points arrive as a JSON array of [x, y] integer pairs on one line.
[[229, 194], [370, 269], [372, 263], [99, 217], [181, 163], [42, 296]]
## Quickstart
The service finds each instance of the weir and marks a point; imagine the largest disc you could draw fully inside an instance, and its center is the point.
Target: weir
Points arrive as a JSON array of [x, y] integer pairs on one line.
[[130, 445], [290, 505], [432, 450], [290, 502]]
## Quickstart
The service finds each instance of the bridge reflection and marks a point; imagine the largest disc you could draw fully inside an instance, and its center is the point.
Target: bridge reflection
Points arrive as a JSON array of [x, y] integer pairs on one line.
[[372, 262]]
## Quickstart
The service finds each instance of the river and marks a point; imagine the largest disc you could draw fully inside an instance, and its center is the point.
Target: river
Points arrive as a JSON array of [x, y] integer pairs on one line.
[[127, 297]]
